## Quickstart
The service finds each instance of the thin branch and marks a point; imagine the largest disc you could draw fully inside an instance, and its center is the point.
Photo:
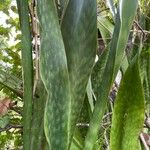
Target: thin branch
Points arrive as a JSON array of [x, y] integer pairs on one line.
[[144, 142], [16, 109], [106, 139], [147, 122], [139, 26], [82, 124], [8, 127], [139, 31], [108, 114], [35, 32]]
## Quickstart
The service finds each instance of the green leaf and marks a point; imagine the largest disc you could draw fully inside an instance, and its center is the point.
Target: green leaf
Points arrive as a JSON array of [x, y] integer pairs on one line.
[[54, 74], [148, 75], [111, 6], [79, 30], [11, 82], [4, 5], [27, 65], [106, 28], [4, 121], [98, 72], [124, 65], [14, 9], [128, 115], [37, 129], [124, 20], [4, 31], [77, 142]]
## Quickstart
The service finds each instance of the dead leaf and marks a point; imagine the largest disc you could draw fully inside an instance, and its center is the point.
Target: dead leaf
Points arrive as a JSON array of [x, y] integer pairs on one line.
[[4, 106], [147, 138]]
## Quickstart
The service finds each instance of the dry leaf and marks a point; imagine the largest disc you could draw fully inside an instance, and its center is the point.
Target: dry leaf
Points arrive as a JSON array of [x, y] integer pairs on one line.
[[147, 138], [4, 106]]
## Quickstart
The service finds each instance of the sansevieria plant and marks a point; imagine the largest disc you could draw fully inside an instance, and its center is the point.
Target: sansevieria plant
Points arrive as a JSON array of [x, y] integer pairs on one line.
[[68, 81]]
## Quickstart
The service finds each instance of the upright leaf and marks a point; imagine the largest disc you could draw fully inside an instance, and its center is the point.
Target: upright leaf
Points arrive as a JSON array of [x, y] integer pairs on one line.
[[54, 74], [37, 130], [98, 72], [79, 34], [128, 115], [148, 74], [111, 6], [124, 19], [27, 65]]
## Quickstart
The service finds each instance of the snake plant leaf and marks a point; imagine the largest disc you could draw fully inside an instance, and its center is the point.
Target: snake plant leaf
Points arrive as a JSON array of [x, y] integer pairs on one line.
[[124, 65], [124, 20], [27, 65], [145, 74], [54, 74], [111, 5], [77, 142], [37, 136], [148, 76], [128, 115], [79, 30], [98, 72]]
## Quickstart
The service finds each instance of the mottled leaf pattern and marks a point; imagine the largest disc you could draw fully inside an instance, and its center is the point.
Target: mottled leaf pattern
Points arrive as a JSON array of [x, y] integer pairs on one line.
[[55, 77], [27, 65], [128, 115], [79, 35], [37, 129], [66, 108], [124, 20]]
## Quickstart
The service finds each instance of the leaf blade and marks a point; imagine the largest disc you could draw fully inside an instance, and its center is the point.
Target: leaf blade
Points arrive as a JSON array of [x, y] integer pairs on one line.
[[124, 20], [128, 116], [79, 35], [55, 78], [27, 65]]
